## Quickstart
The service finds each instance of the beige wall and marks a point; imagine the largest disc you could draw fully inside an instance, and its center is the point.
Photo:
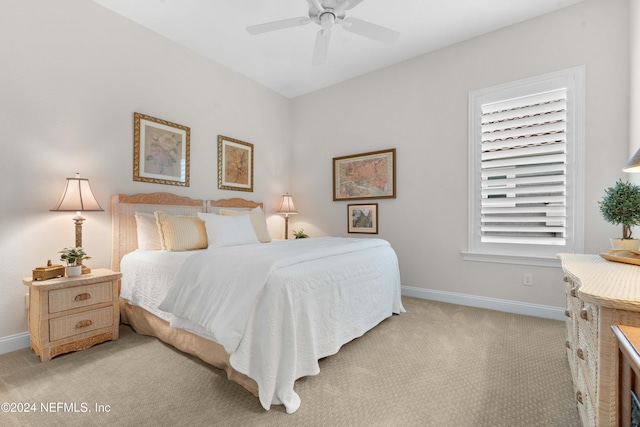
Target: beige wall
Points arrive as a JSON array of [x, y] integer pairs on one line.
[[71, 76], [420, 108], [73, 73], [634, 89]]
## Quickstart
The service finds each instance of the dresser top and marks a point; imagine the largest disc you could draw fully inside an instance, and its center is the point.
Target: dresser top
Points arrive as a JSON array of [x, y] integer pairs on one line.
[[605, 283]]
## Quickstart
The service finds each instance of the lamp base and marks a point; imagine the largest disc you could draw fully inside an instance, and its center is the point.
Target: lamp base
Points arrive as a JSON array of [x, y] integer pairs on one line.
[[286, 226]]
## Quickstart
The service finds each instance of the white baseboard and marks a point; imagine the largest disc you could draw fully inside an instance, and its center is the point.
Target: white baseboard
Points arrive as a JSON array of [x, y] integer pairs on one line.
[[20, 341], [527, 309], [14, 342]]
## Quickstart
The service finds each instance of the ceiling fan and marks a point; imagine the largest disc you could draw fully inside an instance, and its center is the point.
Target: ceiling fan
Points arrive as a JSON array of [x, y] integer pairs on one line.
[[328, 13]]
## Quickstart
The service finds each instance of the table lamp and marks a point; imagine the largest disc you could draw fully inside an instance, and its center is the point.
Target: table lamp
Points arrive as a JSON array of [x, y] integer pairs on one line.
[[634, 164], [287, 208], [78, 197]]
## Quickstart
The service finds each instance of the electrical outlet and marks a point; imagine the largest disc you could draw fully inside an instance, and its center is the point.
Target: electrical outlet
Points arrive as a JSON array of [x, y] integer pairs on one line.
[[527, 279]]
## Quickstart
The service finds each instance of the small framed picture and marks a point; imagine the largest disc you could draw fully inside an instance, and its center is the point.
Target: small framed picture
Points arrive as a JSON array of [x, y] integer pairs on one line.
[[363, 218], [235, 164], [160, 151]]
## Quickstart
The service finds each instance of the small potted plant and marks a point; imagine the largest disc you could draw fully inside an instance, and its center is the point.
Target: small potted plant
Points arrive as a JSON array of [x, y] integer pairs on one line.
[[73, 257], [300, 234], [621, 206]]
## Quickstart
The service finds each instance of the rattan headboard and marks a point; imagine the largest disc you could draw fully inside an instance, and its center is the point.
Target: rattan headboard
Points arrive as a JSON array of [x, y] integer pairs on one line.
[[123, 222]]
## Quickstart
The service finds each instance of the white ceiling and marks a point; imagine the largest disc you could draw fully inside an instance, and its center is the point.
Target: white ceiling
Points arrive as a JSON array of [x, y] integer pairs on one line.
[[281, 60]]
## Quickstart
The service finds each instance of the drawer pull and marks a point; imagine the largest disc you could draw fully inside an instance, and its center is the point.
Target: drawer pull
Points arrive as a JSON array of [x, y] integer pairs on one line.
[[573, 292], [567, 344], [584, 313], [567, 313], [566, 278], [84, 323], [82, 296], [579, 396], [580, 353]]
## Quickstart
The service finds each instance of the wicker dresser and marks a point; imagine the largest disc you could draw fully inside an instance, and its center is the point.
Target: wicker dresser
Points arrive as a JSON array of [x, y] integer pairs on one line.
[[599, 294]]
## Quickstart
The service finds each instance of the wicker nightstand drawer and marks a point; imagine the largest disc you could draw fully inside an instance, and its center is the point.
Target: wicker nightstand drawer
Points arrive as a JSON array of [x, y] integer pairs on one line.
[[76, 324], [73, 313], [79, 296]]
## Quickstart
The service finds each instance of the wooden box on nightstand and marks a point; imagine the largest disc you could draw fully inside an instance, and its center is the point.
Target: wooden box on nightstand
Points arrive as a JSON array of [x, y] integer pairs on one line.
[[73, 313]]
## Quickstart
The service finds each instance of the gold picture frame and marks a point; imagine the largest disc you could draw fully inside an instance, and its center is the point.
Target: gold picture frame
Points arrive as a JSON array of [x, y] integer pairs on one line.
[[235, 164], [160, 151], [363, 218], [369, 175]]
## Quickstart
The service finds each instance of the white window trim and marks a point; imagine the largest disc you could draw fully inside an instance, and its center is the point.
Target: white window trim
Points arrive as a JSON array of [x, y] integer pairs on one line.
[[573, 79]]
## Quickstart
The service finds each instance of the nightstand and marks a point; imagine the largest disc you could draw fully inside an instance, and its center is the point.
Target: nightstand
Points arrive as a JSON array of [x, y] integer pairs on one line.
[[73, 313]]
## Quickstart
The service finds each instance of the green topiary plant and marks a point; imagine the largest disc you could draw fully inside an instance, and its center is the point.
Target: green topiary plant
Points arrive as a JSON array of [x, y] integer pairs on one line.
[[621, 205]]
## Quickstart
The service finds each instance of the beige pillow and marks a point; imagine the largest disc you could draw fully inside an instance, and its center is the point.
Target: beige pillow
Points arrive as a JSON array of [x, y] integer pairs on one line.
[[257, 220], [147, 231], [181, 233]]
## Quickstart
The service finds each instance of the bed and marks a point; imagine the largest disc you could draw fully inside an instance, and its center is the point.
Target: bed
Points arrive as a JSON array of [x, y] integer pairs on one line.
[[294, 301]]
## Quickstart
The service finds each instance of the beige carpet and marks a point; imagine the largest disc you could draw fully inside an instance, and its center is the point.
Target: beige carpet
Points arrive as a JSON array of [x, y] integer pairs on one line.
[[436, 365]]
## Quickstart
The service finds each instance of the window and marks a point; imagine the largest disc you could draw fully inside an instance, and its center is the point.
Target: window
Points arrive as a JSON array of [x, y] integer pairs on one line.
[[525, 169]]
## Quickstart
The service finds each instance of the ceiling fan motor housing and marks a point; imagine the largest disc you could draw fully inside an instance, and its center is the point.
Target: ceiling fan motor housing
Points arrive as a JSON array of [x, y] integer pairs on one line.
[[327, 19]]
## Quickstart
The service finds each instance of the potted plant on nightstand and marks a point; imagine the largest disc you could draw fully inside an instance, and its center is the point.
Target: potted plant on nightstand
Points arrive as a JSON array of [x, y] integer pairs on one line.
[[300, 234], [73, 257], [621, 205]]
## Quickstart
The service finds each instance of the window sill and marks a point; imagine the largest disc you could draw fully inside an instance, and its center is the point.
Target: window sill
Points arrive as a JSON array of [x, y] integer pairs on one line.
[[511, 259]]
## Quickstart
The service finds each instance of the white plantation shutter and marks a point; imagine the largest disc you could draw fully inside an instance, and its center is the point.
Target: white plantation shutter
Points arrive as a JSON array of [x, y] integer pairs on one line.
[[523, 164], [526, 169]]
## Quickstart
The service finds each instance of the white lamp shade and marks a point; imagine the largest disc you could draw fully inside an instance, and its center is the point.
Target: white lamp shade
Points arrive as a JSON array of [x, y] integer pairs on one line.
[[634, 164], [287, 207], [77, 197]]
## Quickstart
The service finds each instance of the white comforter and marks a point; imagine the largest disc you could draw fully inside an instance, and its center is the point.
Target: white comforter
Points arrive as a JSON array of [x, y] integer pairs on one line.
[[285, 304]]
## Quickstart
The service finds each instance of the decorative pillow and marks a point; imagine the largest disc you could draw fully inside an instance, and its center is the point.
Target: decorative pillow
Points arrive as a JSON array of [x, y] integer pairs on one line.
[[217, 209], [257, 220], [181, 233], [228, 230], [148, 233]]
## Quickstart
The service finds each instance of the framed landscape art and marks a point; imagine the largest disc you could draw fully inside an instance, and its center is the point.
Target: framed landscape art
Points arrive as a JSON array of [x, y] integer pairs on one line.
[[363, 218], [160, 151], [365, 176], [235, 164]]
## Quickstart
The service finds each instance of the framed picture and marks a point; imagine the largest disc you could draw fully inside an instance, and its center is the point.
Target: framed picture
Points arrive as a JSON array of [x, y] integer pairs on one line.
[[160, 151], [235, 164], [365, 176], [363, 218]]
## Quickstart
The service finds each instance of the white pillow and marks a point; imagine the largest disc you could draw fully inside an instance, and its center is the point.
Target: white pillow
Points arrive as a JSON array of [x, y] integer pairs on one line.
[[228, 230], [148, 233], [257, 220]]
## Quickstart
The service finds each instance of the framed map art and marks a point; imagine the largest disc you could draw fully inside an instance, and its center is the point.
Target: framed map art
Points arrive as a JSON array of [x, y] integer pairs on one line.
[[365, 176], [235, 164]]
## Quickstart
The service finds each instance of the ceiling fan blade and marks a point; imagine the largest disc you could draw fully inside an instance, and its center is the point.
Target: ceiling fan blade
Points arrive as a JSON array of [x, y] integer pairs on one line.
[[316, 4], [353, 3], [346, 5], [321, 47], [278, 25], [369, 30]]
